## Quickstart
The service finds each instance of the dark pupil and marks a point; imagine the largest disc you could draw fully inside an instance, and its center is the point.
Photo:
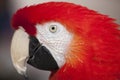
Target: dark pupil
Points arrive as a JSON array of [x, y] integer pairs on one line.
[[53, 28]]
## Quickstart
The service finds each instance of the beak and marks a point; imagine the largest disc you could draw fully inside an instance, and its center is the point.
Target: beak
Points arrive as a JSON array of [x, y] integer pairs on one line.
[[20, 50], [40, 57], [27, 49]]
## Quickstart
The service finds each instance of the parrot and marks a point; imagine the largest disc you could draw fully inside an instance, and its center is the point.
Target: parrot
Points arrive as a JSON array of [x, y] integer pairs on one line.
[[71, 41]]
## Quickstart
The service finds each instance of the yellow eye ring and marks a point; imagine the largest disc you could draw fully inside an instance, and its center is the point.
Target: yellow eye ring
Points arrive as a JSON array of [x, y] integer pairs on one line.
[[53, 28]]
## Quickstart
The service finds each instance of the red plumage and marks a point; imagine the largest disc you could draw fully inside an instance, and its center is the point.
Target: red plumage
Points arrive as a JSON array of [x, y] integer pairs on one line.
[[95, 50]]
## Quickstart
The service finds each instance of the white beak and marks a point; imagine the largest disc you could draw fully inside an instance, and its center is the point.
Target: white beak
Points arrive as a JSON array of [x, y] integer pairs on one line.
[[20, 50]]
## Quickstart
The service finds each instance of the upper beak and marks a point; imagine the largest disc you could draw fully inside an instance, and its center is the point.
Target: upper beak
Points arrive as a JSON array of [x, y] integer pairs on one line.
[[20, 50]]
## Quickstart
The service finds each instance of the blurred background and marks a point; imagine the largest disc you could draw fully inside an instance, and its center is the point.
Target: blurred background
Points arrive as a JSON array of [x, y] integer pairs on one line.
[[9, 7]]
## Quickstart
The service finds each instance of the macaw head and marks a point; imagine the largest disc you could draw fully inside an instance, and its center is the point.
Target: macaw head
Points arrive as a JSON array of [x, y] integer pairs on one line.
[[71, 41]]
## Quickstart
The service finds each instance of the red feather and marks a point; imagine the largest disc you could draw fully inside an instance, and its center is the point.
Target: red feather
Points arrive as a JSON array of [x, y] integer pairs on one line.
[[94, 52]]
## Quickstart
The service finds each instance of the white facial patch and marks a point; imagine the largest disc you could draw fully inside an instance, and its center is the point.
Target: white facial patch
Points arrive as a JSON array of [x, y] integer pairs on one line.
[[55, 37]]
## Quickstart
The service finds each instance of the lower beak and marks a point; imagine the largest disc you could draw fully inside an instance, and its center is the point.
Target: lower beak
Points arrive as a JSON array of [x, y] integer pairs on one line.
[[40, 57]]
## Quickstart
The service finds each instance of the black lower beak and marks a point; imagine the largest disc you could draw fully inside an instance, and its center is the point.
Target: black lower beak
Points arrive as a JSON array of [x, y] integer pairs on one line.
[[40, 57]]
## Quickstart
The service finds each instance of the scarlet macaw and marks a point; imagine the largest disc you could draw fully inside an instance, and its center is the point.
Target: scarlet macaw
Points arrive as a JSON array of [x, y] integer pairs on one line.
[[71, 41]]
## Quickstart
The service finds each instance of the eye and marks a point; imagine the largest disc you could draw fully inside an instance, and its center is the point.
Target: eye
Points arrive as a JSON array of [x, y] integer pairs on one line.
[[53, 28]]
